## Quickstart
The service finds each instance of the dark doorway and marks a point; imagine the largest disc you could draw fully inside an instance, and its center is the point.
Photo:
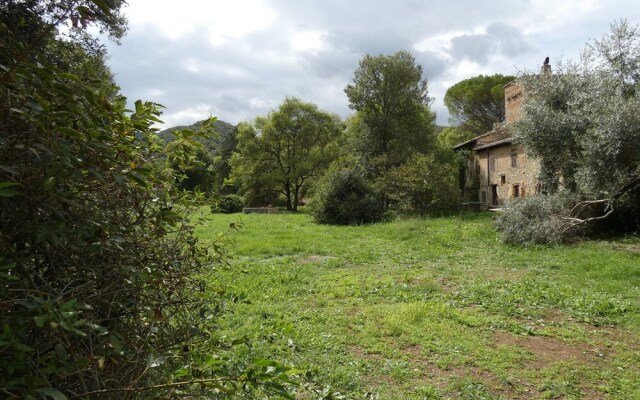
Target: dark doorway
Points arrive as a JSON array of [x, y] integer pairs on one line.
[[494, 195]]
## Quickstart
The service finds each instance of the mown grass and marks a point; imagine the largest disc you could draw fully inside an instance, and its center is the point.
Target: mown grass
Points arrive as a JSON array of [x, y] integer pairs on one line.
[[432, 309]]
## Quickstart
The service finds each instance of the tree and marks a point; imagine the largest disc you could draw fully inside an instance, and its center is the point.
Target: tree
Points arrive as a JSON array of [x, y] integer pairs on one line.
[[285, 150], [102, 279], [392, 103], [344, 195], [475, 104], [425, 184], [453, 135], [193, 166], [583, 124], [208, 170]]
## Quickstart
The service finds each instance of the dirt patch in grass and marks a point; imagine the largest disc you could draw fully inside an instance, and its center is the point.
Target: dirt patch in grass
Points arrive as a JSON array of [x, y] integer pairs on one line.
[[505, 273], [547, 351], [315, 259], [446, 284], [363, 354], [445, 378], [414, 351], [353, 311]]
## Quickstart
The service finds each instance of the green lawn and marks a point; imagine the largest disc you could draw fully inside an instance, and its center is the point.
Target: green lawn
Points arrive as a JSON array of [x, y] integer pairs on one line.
[[432, 309]]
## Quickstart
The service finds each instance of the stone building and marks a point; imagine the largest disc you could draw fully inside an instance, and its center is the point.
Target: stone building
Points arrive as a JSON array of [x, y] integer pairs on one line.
[[498, 169]]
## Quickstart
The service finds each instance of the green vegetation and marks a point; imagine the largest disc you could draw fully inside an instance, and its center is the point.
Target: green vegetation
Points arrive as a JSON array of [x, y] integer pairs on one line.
[[537, 220], [283, 152], [392, 104], [206, 168], [104, 289], [390, 164], [432, 309], [228, 204], [343, 196], [582, 123], [475, 104], [111, 287]]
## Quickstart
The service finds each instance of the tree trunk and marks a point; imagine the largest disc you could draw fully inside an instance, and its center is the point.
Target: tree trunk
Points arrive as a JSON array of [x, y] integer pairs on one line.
[[296, 197], [287, 192]]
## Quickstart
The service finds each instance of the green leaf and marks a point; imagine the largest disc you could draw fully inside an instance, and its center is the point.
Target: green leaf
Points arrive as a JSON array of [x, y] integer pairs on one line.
[[70, 132], [8, 193], [49, 183], [102, 6], [263, 362], [55, 394], [40, 320], [84, 11], [7, 184], [9, 169]]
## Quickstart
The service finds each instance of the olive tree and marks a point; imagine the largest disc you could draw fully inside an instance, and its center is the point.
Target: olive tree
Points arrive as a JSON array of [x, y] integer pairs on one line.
[[583, 123]]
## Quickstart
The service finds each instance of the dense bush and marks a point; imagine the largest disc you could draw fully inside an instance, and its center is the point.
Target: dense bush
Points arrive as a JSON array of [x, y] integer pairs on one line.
[[424, 185], [228, 204], [344, 196], [538, 220], [103, 285]]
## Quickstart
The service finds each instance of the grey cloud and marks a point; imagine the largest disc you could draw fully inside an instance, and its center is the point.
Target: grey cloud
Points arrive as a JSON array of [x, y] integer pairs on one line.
[[499, 39], [433, 64], [252, 75]]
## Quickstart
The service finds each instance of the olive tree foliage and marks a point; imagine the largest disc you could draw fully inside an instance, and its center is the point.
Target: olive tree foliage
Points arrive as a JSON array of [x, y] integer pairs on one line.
[[583, 123], [476, 104], [538, 220], [284, 151], [392, 103], [105, 290]]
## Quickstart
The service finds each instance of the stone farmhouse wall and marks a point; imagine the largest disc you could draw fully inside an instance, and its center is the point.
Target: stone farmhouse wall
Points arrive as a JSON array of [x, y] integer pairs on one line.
[[498, 169], [506, 172]]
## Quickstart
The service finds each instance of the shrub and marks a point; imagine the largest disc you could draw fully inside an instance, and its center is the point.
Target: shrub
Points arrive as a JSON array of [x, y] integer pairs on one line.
[[228, 204], [538, 220], [343, 196], [423, 185], [103, 284]]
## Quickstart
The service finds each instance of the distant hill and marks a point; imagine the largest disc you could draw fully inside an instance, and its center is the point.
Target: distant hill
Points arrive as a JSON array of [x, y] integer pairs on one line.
[[225, 133]]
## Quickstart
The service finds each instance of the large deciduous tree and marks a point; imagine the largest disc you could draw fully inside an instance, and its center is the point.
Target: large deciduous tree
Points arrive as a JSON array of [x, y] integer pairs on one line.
[[583, 122], [285, 149], [475, 104], [392, 104]]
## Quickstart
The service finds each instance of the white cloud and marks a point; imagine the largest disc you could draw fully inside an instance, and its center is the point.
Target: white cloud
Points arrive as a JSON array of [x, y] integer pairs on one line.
[[220, 21], [188, 116], [309, 41]]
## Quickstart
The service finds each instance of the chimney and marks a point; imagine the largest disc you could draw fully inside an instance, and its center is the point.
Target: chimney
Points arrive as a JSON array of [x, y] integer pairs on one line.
[[546, 68]]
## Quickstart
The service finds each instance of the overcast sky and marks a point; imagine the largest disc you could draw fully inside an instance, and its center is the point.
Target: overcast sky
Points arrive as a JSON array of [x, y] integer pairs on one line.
[[237, 59]]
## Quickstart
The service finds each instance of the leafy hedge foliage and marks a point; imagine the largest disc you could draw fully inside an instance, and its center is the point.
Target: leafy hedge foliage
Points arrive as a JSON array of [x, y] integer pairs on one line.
[[344, 196], [424, 185], [538, 220], [103, 285], [228, 204]]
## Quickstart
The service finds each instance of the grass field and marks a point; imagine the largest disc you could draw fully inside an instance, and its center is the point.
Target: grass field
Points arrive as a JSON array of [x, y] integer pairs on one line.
[[433, 309]]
